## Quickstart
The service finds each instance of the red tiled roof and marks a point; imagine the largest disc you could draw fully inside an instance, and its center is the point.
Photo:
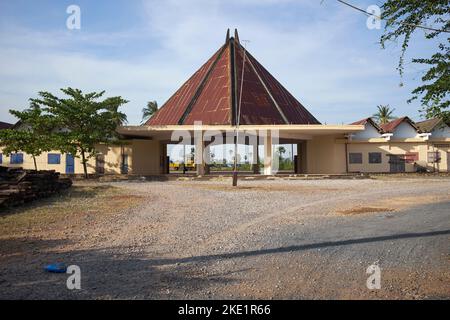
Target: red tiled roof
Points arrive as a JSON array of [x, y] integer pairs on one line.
[[213, 93], [361, 122], [5, 125], [390, 126], [365, 120]]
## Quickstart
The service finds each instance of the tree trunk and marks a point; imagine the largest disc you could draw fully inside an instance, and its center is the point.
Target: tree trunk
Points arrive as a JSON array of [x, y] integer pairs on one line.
[[35, 165], [83, 159]]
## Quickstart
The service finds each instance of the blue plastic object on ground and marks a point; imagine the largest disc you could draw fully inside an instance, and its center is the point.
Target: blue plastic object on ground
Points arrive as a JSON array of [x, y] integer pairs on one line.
[[56, 268]]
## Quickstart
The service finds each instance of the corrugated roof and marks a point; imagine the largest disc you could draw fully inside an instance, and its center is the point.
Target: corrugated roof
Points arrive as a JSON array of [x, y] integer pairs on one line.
[[212, 94], [174, 109]]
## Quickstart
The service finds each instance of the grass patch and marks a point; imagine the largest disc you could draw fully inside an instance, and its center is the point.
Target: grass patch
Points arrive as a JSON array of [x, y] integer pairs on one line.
[[81, 201]]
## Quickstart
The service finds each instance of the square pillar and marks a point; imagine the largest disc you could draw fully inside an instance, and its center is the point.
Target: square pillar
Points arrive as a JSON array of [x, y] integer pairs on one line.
[[268, 153], [164, 161], [199, 147], [255, 159], [207, 158]]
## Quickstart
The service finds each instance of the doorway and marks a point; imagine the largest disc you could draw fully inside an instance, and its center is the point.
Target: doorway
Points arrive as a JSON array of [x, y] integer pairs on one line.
[[70, 164], [396, 163]]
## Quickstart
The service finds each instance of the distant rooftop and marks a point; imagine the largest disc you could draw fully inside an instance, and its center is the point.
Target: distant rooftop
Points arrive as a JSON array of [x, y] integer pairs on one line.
[[428, 125], [5, 125]]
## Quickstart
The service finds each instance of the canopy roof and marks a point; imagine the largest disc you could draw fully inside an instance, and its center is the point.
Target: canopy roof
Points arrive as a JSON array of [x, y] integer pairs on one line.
[[212, 94]]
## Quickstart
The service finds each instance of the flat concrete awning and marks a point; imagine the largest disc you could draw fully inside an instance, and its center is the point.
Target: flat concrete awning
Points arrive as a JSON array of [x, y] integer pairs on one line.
[[294, 131]]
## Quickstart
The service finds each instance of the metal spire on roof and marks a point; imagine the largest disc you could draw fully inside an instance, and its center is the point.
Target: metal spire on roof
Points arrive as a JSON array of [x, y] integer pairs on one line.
[[235, 171], [236, 36]]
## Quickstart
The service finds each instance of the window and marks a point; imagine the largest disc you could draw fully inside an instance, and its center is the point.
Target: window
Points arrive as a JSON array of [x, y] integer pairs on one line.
[[434, 157], [16, 158], [374, 157], [54, 158], [355, 157]]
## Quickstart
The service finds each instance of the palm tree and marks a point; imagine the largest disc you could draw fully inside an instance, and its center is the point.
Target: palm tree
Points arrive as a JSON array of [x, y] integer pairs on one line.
[[281, 150], [384, 114], [148, 111]]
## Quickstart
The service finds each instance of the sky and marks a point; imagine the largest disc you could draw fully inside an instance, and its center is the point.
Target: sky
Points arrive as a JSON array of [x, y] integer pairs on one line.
[[320, 50]]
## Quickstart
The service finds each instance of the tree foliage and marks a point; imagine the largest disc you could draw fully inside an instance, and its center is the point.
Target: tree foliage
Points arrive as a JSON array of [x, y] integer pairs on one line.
[[384, 114], [34, 134], [84, 120], [402, 19], [149, 110]]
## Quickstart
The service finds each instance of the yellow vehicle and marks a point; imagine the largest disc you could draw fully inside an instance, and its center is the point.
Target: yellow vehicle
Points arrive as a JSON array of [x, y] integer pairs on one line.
[[177, 165]]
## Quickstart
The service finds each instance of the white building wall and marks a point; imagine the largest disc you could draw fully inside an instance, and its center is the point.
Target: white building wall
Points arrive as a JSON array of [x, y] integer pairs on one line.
[[404, 130], [369, 132], [441, 132]]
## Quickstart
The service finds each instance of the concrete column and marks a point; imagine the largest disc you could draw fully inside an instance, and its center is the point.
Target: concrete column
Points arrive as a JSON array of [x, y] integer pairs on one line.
[[268, 153], [163, 166], [199, 162], [255, 157], [207, 159], [299, 158]]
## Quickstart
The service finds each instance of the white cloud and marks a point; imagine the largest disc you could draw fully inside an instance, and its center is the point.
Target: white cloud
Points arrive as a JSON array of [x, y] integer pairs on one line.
[[318, 58]]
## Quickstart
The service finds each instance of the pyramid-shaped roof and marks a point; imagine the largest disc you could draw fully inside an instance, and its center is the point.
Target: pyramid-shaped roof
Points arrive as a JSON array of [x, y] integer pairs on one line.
[[212, 94]]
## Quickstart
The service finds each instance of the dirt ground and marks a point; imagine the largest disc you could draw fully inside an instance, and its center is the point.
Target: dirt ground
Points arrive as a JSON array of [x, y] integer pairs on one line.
[[274, 239]]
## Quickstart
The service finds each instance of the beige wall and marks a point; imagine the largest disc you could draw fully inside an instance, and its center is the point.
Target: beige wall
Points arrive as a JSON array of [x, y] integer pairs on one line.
[[42, 163], [397, 148], [325, 155], [112, 156], [143, 158], [146, 157]]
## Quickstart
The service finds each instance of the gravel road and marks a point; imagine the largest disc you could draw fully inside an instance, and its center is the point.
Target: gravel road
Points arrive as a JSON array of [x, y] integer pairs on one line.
[[268, 239]]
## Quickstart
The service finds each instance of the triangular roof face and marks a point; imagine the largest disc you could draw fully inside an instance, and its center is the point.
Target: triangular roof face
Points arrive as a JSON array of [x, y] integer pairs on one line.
[[213, 93], [429, 125], [390, 126], [367, 120]]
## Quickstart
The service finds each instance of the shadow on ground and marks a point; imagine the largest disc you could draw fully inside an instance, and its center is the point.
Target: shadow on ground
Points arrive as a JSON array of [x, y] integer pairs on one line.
[[104, 274]]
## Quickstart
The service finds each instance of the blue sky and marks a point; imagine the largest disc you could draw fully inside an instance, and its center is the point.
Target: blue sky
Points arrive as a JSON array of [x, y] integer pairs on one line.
[[321, 51]]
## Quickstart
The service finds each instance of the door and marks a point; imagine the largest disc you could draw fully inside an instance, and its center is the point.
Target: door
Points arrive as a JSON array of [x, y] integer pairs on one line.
[[396, 163], [124, 169], [70, 164], [448, 161]]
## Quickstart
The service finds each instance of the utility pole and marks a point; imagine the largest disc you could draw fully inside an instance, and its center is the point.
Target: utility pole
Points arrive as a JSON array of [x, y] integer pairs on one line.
[[235, 171]]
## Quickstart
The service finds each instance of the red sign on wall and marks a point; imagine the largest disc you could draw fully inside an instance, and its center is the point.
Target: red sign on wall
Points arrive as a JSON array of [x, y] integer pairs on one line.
[[411, 157]]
